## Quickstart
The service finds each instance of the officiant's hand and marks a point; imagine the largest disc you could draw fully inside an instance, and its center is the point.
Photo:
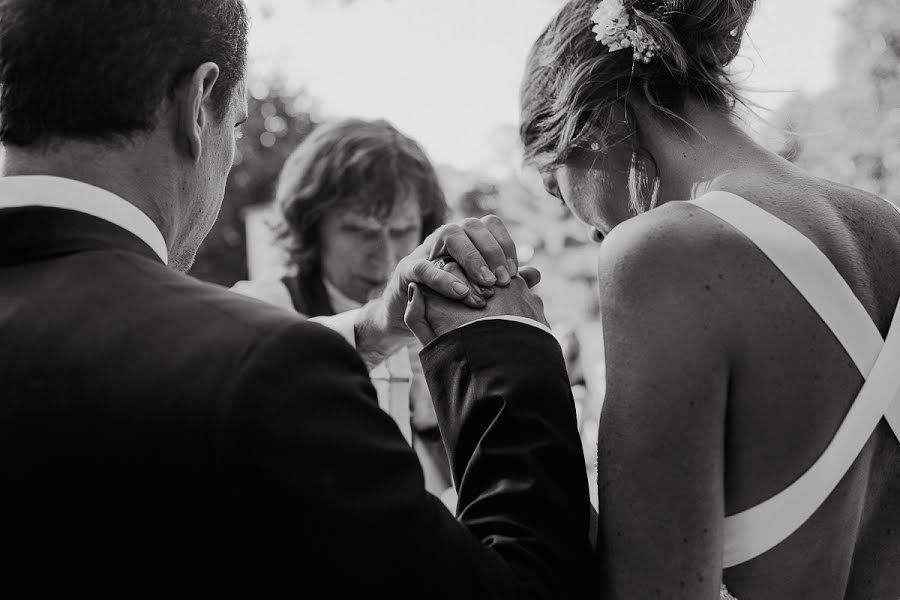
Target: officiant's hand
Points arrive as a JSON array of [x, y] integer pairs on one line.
[[430, 315], [486, 261]]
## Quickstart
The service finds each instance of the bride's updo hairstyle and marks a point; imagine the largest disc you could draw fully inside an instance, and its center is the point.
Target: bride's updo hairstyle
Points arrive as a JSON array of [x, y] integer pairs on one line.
[[575, 91]]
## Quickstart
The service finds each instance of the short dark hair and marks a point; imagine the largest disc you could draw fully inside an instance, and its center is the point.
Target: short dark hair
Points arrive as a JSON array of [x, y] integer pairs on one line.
[[352, 164], [100, 69]]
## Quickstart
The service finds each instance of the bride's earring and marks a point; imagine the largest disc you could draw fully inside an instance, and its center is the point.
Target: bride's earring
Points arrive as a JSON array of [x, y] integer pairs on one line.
[[643, 181]]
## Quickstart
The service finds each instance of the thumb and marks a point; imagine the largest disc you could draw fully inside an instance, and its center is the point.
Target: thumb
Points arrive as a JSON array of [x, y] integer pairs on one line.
[[414, 317], [531, 276]]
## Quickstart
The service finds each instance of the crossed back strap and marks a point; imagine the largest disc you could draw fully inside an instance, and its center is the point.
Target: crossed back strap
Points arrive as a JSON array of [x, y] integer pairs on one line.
[[756, 530]]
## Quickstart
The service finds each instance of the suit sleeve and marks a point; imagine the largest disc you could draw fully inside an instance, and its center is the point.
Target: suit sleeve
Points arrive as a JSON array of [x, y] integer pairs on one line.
[[329, 477], [505, 408]]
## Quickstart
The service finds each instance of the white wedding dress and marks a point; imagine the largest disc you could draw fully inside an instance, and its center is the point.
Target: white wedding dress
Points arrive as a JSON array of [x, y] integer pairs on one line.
[[753, 532]]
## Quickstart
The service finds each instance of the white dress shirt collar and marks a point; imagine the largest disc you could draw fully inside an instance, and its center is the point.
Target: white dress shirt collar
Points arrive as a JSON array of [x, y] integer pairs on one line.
[[58, 192]]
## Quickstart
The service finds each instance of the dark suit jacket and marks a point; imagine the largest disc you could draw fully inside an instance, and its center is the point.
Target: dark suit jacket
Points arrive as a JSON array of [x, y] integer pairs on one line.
[[153, 427]]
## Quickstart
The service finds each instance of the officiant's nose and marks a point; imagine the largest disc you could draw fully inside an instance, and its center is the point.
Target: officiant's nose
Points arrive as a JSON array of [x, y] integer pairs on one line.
[[386, 253]]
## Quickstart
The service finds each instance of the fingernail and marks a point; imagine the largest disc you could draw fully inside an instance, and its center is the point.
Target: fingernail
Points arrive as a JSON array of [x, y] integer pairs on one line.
[[409, 291], [513, 267], [488, 276], [502, 275], [459, 288], [477, 299]]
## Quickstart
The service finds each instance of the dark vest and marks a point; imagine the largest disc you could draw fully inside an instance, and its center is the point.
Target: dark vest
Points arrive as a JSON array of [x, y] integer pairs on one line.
[[308, 294]]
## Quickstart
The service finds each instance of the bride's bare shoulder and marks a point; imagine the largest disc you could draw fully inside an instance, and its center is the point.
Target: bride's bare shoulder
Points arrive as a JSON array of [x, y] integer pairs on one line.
[[678, 243], [674, 270]]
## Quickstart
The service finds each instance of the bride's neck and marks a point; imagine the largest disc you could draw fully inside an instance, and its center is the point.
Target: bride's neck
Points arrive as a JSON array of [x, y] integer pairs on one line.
[[692, 163]]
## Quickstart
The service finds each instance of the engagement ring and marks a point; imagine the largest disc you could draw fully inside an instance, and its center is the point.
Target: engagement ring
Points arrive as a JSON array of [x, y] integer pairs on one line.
[[442, 262]]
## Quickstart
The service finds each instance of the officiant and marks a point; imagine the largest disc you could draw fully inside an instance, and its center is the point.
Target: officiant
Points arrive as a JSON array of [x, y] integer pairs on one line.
[[354, 198]]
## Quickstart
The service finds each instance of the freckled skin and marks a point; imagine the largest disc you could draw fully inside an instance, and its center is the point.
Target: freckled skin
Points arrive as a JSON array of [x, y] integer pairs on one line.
[[705, 341]]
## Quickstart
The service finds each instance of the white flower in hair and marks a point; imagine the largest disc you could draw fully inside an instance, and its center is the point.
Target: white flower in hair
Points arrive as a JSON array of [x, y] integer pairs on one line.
[[611, 21], [612, 24]]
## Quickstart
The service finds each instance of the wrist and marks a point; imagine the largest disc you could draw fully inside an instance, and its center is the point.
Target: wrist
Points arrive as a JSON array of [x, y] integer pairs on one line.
[[376, 336]]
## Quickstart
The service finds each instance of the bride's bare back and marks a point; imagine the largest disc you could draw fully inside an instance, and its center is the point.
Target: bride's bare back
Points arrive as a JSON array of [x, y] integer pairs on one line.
[[724, 383]]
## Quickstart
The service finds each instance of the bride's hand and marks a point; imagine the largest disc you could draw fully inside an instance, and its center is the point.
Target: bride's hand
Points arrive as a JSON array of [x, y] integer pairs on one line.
[[429, 315], [486, 257], [482, 248]]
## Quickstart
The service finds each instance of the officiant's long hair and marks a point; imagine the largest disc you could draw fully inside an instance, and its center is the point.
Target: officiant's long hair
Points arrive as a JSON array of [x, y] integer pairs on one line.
[[353, 163], [576, 91]]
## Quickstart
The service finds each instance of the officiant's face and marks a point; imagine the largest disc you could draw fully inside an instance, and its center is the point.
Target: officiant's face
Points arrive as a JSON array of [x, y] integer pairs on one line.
[[359, 251]]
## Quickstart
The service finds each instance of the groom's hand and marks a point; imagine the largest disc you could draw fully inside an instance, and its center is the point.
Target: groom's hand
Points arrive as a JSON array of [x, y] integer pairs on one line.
[[430, 315], [486, 259]]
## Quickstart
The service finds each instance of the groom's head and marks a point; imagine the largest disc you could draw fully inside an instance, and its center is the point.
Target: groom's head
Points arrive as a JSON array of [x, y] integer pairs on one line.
[[159, 82]]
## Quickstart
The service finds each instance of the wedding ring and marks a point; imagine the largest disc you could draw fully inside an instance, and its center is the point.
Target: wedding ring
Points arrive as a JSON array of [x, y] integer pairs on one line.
[[442, 262]]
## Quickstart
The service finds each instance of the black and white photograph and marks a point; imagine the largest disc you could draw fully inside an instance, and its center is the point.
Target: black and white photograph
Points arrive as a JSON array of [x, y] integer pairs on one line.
[[484, 299]]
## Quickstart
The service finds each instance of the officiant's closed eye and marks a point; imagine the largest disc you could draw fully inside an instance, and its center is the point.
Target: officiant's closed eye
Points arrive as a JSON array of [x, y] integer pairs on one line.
[[360, 251]]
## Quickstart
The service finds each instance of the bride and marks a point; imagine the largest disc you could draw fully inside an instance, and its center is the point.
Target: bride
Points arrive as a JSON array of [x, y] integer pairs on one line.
[[750, 434]]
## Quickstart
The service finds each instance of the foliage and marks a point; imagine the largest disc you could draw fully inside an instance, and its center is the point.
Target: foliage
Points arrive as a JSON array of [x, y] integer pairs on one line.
[[851, 133], [278, 121]]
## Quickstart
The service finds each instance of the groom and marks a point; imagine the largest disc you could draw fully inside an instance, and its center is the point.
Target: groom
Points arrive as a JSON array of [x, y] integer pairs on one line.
[[155, 429]]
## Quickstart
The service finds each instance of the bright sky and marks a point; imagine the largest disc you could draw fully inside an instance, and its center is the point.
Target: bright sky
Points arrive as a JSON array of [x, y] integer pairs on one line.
[[447, 73]]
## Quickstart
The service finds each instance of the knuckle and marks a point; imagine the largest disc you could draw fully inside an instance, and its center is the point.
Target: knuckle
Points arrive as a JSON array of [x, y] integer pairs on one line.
[[454, 269], [461, 278], [494, 253], [472, 257], [420, 268], [493, 221], [433, 280], [451, 230]]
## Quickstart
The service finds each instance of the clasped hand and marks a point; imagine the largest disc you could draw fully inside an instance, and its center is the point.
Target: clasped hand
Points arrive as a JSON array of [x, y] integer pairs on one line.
[[430, 315], [484, 281]]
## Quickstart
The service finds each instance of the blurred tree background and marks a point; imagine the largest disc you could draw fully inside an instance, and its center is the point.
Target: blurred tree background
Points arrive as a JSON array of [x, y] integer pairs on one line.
[[851, 133], [278, 120]]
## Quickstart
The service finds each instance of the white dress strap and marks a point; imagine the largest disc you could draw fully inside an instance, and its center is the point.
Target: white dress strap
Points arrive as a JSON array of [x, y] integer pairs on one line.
[[754, 531], [808, 270], [892, 416], [814, 276]]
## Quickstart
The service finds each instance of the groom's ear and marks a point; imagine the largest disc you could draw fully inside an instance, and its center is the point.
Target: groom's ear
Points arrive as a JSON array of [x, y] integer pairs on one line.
[[193, 107]]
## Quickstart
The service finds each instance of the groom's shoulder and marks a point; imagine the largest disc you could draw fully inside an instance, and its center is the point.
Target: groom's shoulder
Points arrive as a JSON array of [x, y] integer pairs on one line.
[[218, 306], [177, 308]]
